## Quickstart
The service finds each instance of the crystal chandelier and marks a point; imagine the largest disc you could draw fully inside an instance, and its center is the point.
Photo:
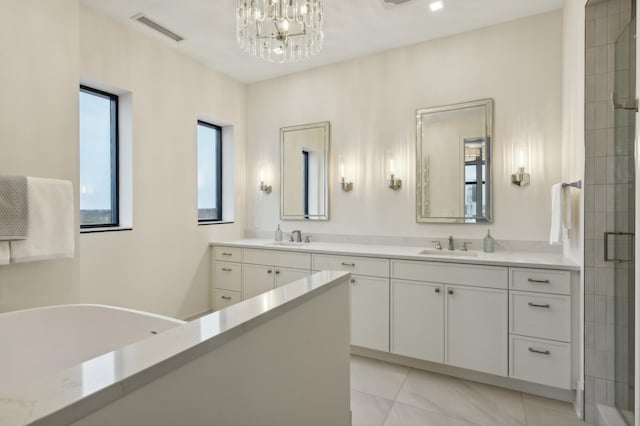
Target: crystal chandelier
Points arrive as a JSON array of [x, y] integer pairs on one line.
[[280, 30]]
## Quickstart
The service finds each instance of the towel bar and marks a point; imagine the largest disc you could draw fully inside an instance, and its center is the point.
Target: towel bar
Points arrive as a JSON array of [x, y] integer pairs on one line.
[[576, 184]]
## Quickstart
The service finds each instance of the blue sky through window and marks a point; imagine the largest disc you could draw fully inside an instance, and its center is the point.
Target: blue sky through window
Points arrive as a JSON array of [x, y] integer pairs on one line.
[[95, 152], [207, 168]]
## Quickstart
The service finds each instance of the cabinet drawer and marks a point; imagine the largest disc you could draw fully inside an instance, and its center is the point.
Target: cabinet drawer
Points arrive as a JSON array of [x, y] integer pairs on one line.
[[540, 315], [541, 280], [223, 299], [228, 276], [369, 266], [227, 254], [286, 259], [541, 361], [448, 273]]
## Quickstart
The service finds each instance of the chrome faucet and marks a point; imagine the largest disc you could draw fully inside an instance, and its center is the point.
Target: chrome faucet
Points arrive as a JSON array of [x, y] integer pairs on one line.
[[451, 248], [296, 236]]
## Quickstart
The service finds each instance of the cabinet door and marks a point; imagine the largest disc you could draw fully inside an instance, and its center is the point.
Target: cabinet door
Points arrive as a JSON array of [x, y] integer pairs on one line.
[[288, 275], [370, 312], [477, 329], [417, 320], [256, 280]]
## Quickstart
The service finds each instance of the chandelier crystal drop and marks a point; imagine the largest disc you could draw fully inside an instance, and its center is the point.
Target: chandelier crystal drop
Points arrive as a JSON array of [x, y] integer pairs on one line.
[[280, 30]]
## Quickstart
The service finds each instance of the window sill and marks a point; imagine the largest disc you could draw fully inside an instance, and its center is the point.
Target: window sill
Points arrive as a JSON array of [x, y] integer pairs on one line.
[[221, 222], [105, 229]]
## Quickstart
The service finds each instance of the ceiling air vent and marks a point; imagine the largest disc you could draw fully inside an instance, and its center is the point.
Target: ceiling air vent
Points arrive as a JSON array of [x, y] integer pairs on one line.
[[157, 27], [395, 2]]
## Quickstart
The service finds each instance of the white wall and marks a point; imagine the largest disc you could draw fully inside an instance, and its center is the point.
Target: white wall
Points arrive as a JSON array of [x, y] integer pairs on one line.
[[39, 127], [371, 104], [162, 265]]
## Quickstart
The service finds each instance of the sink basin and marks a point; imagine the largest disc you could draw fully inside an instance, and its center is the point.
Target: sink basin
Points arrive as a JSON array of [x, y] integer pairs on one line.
[[286, 243], [434, 252]]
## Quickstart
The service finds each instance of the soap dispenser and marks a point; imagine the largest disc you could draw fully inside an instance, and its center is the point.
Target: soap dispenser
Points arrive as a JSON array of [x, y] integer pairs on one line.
[[489, 243], [278, 234]]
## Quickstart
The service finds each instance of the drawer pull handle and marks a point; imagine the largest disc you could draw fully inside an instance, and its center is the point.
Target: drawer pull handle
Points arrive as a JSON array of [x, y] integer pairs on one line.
[[437, 290], [536, 305], [538, 351], [226, 297], [348, 264], [352, 280], [531, 280], [227, 254], [227, 269], [450, 291]]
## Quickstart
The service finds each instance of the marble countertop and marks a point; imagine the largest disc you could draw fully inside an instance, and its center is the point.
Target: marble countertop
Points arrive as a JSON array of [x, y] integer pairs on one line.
[[71, 394], [501, 258]]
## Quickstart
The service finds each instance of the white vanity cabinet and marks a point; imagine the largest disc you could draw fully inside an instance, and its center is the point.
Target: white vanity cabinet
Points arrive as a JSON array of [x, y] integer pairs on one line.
[[369, 297], [461, 319], [540, 326], [417, 318], [241, 273], [505, 320], [226, 271], [477, 329]]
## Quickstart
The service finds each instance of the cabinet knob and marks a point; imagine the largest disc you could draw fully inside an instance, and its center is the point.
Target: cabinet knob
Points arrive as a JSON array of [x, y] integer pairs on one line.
[[352, 280], [450, 291], [277, 272], [269, 271], [437, 289]]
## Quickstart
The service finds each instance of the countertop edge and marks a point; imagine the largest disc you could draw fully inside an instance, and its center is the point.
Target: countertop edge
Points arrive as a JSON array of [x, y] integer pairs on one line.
[[570, 266]]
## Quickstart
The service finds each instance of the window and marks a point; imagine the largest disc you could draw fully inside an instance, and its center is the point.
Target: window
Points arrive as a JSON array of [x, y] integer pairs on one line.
[[209, 172], [98, 159]]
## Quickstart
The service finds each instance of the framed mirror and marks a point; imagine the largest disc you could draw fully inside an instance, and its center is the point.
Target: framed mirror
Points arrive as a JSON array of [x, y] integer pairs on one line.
[[454, 176], [304, 172]]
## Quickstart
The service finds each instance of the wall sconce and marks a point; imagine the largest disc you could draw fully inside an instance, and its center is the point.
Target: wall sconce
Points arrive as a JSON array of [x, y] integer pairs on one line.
[[344, 184], [393, 182], [264, 188], [520, 177]]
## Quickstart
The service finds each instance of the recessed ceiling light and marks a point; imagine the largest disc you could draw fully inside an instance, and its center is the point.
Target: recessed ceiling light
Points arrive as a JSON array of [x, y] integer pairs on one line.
[[436, 5]]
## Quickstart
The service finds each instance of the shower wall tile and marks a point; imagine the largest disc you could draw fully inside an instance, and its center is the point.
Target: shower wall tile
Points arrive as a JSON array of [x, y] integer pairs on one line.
[[601, 30], [608, 194], [600, 309]]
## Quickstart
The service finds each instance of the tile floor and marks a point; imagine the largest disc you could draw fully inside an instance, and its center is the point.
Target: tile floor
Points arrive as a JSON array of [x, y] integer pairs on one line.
[[392, 395]]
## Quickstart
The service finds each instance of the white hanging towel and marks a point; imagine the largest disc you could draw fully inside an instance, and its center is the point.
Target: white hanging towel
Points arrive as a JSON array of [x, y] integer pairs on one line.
[[4, 253], [560, 213], [51, 222]]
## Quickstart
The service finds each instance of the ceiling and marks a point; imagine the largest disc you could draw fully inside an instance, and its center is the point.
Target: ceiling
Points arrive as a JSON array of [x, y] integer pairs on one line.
[[353, 28]]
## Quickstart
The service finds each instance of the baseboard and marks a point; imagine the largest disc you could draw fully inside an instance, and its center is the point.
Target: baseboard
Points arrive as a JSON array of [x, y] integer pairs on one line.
[[474, 376]]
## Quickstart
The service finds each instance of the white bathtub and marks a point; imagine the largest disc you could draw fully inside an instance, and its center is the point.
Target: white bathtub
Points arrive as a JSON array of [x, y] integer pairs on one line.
[[37, 342]]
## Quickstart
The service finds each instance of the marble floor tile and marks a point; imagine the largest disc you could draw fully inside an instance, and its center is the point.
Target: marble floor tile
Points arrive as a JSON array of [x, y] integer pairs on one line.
[[539, 415], [368, 410], [406, 415], [377, 377], [477, 403]]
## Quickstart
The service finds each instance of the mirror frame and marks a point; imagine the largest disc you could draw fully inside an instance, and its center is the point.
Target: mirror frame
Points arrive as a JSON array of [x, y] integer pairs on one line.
[[326, 125], [488, 105]]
